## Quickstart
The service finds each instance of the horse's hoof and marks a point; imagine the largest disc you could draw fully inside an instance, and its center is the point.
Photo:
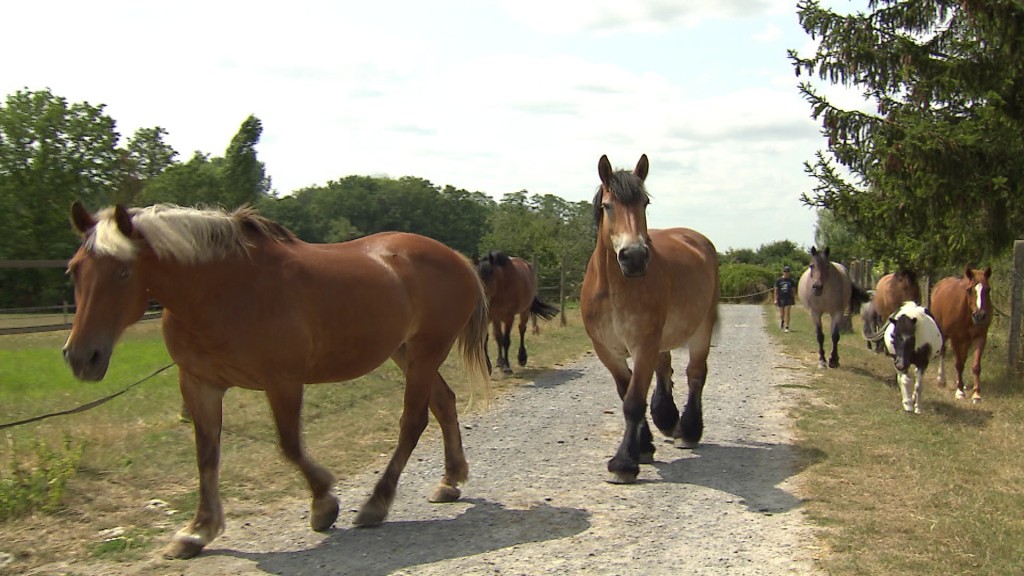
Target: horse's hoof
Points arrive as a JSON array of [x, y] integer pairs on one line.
[[822, 365], [975, 399], [370, 515], [183, 549], [833, 363], [646, 458], [445, 493], [959, 395], [325, 512], [685, 444], [621, 478]]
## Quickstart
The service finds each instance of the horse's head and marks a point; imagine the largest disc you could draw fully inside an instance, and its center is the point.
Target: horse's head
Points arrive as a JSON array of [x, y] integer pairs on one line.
[[489, 267], [903, 341], [820, 268], [978, 294], [108, 293], [620, 211]]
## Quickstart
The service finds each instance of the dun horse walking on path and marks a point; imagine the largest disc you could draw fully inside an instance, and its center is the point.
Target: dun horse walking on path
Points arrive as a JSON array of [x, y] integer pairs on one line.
[[645, 293], [825, 288], [247, 304], [511, 287], [963, 308], [891, 292]]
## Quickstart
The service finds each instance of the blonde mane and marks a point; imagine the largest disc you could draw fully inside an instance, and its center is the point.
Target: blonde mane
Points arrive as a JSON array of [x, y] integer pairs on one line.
[[188, 235]]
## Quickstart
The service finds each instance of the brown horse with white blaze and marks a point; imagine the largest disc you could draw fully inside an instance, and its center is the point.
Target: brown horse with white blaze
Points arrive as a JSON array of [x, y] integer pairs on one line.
[[645, 293], [247, 304], [511, 287], [963, 308]]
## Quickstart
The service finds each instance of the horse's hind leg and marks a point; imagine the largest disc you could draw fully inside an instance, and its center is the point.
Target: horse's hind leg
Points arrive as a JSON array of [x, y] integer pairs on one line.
[[205, 408], [286, 405], [663, 406], [506, 344], [456, 469], [524, 319], [420, 370]]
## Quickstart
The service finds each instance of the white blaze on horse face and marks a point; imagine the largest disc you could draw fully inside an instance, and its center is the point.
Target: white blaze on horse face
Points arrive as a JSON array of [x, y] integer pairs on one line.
[[979, 291], [630, 229]]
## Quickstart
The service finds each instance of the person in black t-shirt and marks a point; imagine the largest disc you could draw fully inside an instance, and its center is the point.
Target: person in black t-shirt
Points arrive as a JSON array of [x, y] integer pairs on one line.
[[784, 296]]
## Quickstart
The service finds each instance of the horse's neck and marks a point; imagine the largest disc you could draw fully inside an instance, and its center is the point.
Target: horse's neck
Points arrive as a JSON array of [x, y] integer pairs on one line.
[[185, 288]]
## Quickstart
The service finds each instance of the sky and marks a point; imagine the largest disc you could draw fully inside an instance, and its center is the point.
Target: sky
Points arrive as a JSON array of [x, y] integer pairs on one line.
[[495, 96]]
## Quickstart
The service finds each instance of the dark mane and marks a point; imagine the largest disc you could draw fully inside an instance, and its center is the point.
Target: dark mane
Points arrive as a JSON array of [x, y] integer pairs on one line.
[[907, 276], [485, 266], [626, 188]]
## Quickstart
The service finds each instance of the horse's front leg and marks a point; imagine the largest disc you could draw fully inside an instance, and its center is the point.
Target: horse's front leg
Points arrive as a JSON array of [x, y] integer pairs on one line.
[[204, 405], [640, 435], [960, 350], [637, 444], [286, 405], [833, 359], [820, 335], [940, 377], [979, 349]]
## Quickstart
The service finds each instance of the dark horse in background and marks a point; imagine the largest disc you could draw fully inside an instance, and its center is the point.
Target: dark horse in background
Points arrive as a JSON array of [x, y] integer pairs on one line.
[[645, 293], [825, 288], [248, 304], [511, 287], [891, 292], [963, 308]]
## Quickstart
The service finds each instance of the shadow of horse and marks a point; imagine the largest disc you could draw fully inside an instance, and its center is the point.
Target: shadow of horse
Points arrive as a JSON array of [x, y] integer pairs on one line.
[[377, 551], [551, 378], [752, 472]]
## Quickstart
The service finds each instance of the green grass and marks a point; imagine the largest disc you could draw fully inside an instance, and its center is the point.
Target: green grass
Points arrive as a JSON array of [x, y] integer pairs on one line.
[[934, 494], [134, 449]]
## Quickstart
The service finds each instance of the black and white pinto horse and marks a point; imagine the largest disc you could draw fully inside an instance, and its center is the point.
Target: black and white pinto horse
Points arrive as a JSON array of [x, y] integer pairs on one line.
[[913, 339]]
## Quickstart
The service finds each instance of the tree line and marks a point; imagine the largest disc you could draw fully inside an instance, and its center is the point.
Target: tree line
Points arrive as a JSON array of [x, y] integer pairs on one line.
[[53, 152]]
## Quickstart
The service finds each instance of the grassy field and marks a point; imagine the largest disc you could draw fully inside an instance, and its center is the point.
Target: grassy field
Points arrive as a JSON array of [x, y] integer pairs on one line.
[[934, 494], [133, 449]]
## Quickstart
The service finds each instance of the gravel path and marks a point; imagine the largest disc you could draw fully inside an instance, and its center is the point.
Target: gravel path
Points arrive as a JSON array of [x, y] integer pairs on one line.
[[537, 501]]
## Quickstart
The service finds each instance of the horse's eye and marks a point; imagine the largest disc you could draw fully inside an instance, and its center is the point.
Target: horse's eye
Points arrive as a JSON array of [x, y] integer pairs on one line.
[[606, 206], [124, 273]]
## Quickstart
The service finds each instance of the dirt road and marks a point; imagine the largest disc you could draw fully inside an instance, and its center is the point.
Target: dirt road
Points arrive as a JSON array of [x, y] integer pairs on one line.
[[537, 501]]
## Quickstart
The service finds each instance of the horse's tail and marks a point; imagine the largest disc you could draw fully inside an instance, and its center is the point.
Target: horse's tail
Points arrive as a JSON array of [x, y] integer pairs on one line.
[[472, 346], [543, 309], [858, 296]]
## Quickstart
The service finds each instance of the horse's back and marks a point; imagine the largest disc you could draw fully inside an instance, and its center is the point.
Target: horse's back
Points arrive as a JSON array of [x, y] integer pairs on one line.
[[892, 290], [513, 291], [692, 264], [949, 307]]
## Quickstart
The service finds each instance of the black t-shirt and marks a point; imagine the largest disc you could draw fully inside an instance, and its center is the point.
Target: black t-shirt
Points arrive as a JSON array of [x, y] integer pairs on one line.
[[784, 290]]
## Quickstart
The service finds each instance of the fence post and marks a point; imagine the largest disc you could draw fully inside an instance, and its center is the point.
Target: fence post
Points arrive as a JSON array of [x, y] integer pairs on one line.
[[561, 292], [1017, 285]]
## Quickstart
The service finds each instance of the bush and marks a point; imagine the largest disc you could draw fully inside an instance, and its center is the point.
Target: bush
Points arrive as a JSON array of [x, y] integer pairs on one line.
[[36, 481], [747, 282]]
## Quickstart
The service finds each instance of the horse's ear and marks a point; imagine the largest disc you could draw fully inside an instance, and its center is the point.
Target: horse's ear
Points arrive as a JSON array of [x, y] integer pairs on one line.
[[968, 272], [124, 220], [642, 167], [988, 272], [81, 219], [826, 252], [814, 250], [604, 170]]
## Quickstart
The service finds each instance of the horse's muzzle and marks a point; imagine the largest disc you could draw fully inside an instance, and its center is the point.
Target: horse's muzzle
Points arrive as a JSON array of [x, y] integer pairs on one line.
[[979, 317], [816, 289], [87, 364], [633, 260]]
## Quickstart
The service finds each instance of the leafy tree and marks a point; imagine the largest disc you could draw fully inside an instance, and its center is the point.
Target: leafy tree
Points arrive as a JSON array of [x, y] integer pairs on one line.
[[843, 243], [198, 182], [145, 158], [52, 152], [245, 180], [934, 174]]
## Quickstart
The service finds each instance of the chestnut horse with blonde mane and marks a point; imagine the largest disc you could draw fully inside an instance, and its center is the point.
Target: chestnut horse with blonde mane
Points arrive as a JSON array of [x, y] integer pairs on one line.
[[646, 293], [963, 308], [247, 304], [511, 287]]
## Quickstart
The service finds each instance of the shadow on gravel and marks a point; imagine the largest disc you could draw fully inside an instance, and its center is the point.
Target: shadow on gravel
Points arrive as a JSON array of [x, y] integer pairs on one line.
[[393, 546], [751, 472], [553, 378]]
